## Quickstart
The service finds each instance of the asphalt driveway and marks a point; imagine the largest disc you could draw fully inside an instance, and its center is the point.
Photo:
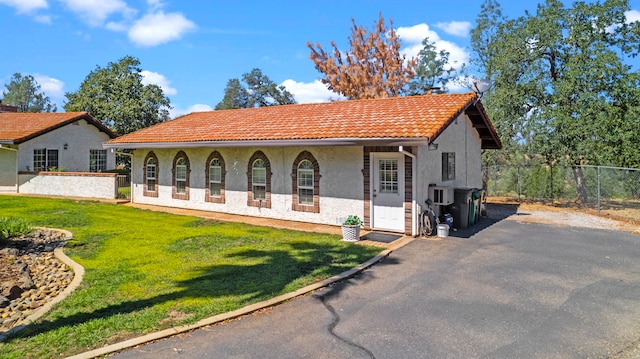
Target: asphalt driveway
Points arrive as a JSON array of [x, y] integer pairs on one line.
[[512, 290]]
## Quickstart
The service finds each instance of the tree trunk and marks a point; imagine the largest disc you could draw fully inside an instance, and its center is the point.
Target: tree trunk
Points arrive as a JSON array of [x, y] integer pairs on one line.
[[581, 185]]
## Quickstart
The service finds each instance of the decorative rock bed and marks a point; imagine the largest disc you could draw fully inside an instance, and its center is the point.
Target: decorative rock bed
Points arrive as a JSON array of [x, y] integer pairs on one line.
[[30, 275]]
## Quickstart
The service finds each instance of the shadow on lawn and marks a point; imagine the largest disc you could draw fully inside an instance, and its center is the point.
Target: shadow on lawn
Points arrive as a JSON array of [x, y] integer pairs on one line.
[[254, 282]]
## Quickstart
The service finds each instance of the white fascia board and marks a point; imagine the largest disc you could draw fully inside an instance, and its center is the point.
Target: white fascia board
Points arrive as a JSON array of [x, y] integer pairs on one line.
[[276, 143]]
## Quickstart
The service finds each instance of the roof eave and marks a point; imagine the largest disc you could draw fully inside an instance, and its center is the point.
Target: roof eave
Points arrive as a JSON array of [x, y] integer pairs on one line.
[[412, 141]]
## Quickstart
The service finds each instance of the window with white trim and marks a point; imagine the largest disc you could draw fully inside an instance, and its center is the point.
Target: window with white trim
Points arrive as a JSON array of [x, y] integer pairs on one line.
[[215, 177], [305, 182], [151, 173], [45, 159], [97, 160], [259, 180], [448, 166], [181, 175]]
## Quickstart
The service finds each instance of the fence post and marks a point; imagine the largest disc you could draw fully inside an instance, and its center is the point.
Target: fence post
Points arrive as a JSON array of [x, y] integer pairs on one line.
[[518, 183], [551, 183], [495, 181], [598, 167]]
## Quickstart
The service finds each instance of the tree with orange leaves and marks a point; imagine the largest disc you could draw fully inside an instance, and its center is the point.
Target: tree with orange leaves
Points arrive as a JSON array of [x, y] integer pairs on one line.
[[373, 68]]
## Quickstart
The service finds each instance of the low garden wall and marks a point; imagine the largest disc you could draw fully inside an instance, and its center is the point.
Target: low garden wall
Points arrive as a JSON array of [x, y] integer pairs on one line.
[[69, 184]]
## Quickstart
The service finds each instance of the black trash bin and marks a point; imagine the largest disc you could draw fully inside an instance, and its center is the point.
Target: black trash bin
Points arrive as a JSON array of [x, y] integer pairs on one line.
[[460, 209]]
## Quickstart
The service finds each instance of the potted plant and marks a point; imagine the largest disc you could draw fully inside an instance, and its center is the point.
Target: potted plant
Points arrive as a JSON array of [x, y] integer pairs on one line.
[[351, 228]]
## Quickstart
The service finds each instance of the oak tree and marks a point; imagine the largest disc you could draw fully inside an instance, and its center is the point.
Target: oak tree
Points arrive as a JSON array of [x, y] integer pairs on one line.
[[563, 86], [258, 90], [116, 96]]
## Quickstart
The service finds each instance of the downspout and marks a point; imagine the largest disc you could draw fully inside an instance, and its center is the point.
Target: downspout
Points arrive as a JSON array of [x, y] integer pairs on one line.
[[131, 174], [17, 175], [414, 186]]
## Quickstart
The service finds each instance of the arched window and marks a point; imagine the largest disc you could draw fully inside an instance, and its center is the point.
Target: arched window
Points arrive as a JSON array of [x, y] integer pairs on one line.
[[181, 170], [259, 181], [215, 178], [150, 171], [305, 175]]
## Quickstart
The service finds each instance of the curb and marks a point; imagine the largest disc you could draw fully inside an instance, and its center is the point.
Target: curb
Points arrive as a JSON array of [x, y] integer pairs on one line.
[[78, 271], [242, 311]]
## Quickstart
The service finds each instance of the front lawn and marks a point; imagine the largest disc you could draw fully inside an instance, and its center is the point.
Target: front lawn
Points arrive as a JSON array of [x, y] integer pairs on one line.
[[146, 271]]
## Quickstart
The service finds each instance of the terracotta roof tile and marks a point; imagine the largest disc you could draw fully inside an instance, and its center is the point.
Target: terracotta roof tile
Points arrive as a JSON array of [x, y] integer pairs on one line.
[[411, 117], [17, 127]]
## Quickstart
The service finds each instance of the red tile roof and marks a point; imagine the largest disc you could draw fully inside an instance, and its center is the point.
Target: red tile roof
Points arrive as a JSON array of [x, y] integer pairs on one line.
[[18, 127], [417, 118]]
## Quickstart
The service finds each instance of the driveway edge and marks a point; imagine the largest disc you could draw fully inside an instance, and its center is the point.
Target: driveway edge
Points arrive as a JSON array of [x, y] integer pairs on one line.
[[244, 310]]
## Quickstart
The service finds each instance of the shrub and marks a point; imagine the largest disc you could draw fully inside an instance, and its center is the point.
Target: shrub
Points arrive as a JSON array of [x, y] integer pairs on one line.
[[12, 227]]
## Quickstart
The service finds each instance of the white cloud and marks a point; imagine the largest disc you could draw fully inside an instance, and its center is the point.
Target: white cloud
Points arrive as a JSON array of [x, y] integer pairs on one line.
[[456, 28], [312, 92], [177, 111], [43, 19], [26, 6], [158, 28], [412, 39], [632, 16], [95, 12], [150, 77], [52, 87]]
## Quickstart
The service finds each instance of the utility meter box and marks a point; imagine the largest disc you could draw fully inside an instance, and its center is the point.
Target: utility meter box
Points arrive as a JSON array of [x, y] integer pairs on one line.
[[441, 195]]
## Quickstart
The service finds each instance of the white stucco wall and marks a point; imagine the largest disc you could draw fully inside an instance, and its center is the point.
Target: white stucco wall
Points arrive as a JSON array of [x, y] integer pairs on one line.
[[341, 181], [69, 184], [80, 137], [8, 170], [462, 139]]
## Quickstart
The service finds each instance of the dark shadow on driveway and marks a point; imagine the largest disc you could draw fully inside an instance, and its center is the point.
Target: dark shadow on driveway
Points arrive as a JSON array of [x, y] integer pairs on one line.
[[496, 212]]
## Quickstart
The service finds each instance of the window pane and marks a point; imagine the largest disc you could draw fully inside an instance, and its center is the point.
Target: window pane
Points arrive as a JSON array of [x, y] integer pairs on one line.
[[181, 173], [448, 166], [259, 176], [305, 178], [215, 174], [151, 185], [52, 159], [39, 160], [259, 192], [97, 160], [305, 196], [214, 189], [181, 186], [388, 176]]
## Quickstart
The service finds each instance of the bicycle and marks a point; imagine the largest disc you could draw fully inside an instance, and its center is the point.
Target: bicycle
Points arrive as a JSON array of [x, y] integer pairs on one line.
[[428, 220]]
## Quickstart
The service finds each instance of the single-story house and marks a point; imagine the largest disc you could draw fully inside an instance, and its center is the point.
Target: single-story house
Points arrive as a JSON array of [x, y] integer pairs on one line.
[[58, 141], [318, 163]]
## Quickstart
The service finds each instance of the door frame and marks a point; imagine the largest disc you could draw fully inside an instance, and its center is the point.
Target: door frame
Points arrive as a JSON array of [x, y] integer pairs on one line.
[[409, 185]]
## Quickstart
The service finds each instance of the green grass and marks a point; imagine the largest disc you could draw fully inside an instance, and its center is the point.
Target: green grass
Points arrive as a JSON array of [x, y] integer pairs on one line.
[[146, 271]]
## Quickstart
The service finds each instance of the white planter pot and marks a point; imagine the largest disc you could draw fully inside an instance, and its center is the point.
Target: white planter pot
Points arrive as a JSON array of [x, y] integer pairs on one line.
[[350, 233]]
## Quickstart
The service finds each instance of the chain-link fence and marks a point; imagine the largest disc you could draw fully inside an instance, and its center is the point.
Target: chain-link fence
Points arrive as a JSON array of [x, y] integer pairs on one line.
[[598, 187]]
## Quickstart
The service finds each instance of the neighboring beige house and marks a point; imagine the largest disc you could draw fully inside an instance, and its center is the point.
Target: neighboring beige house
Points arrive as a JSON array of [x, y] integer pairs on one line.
[[34, 143], [315, 163]]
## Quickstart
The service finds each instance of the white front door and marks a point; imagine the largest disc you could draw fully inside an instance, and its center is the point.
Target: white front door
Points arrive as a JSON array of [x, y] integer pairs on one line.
[[387, 191]]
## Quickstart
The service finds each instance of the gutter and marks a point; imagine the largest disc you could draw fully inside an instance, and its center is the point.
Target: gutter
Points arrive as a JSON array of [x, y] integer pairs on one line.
[[414, 186], [411, 141], [2, 147]]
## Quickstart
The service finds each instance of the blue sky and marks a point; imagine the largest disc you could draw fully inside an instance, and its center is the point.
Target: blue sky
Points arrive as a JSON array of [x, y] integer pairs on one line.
[[192, 48]]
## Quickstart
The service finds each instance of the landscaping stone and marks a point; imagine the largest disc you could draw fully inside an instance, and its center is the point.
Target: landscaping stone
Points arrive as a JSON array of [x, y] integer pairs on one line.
[[30, 275]]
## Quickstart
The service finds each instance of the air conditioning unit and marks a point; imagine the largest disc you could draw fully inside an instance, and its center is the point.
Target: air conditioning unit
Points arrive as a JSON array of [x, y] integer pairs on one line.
[[441, 195]]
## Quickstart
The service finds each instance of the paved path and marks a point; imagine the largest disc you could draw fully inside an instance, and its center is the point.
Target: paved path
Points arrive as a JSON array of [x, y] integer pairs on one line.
[[512, 290]]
